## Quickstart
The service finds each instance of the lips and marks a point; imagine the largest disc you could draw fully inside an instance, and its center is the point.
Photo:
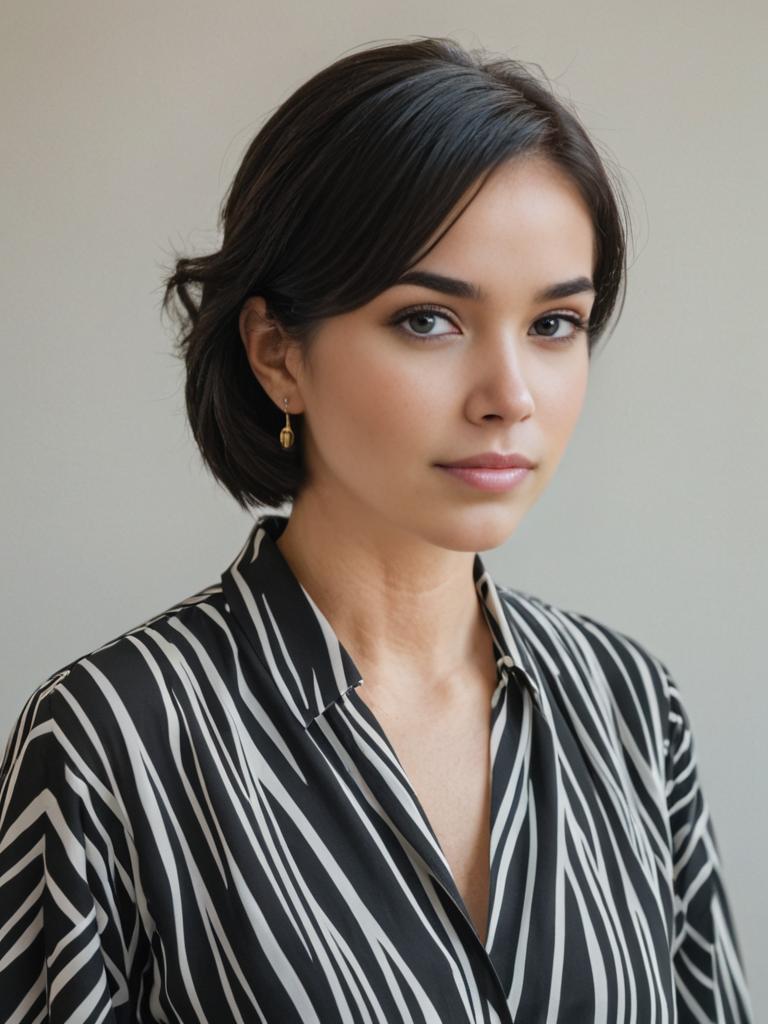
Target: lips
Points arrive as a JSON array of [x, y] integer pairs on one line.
[[492, 460]]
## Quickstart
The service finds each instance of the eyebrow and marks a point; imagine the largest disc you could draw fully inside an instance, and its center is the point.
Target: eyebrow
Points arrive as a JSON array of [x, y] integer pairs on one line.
[[466, 290]]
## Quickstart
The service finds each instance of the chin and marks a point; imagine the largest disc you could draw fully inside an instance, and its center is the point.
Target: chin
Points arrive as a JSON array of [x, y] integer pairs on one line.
[[475, 529]]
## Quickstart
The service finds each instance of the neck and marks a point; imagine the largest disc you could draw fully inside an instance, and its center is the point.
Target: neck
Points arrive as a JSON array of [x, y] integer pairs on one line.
[[407, 611]]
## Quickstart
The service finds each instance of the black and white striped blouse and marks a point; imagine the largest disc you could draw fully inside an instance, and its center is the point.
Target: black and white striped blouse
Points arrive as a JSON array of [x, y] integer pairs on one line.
[[203, 821]]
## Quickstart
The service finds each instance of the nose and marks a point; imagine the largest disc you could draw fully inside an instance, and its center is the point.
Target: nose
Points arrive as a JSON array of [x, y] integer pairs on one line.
[[503, 386]]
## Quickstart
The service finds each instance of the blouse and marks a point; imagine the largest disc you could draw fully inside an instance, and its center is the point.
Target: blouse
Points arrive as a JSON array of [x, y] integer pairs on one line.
[[202, 820]]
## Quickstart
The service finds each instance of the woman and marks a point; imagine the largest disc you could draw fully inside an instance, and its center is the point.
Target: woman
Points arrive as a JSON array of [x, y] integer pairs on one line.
[[356, 779]]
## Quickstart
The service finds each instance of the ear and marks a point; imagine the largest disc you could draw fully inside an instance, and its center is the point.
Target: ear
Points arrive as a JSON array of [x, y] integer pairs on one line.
[[267, 348]]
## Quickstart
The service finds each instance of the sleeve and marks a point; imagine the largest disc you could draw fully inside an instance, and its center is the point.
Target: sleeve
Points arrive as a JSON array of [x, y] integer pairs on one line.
[[710, 979], [71, 940]]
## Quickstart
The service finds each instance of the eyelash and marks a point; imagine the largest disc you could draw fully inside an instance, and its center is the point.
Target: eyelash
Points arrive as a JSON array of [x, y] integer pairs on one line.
[[578, 322]]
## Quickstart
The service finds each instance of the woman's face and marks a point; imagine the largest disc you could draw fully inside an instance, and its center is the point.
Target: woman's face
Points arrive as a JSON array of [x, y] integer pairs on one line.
[[384, 403]]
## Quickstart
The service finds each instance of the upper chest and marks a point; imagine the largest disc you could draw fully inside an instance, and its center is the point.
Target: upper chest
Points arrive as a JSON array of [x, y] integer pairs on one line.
[[444, 753], [446, 756]]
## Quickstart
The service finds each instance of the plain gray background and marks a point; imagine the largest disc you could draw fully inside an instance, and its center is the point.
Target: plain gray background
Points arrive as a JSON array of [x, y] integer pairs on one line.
[[122, 127]]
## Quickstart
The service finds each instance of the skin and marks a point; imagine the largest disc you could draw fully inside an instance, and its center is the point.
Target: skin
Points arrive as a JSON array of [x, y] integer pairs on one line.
[[382, 540]]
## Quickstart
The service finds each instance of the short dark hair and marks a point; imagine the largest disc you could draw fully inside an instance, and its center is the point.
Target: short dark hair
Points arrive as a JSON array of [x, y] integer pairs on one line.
[[335, 198]]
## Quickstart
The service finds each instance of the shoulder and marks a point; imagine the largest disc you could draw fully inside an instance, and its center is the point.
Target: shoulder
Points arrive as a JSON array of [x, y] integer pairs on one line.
[[594, 658], [574, 632], [117, 696]]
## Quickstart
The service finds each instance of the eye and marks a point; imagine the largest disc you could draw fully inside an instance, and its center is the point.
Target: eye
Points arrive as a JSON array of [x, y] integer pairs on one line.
[[578, 325], [424, 313]]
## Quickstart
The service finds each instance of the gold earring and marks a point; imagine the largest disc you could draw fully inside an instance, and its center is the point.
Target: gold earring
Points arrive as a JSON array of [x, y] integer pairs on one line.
[[286, 434]]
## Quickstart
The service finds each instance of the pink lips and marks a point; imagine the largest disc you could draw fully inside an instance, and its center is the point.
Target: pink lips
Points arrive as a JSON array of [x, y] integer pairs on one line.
[[491, 471], [486, 479], [493, 460]]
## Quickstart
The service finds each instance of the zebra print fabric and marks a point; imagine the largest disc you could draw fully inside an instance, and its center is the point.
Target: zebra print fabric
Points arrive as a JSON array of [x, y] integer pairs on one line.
[[203, 821]]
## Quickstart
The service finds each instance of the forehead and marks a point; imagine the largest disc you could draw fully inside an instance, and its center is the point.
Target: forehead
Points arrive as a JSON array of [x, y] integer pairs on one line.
[[528, 216]]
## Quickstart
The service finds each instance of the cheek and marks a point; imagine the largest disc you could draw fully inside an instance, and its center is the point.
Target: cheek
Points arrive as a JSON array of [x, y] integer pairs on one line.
[[566, 398], [364, 401]]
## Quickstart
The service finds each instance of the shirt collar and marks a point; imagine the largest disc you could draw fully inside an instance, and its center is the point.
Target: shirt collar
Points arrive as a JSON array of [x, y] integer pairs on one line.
[[292, 637]]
